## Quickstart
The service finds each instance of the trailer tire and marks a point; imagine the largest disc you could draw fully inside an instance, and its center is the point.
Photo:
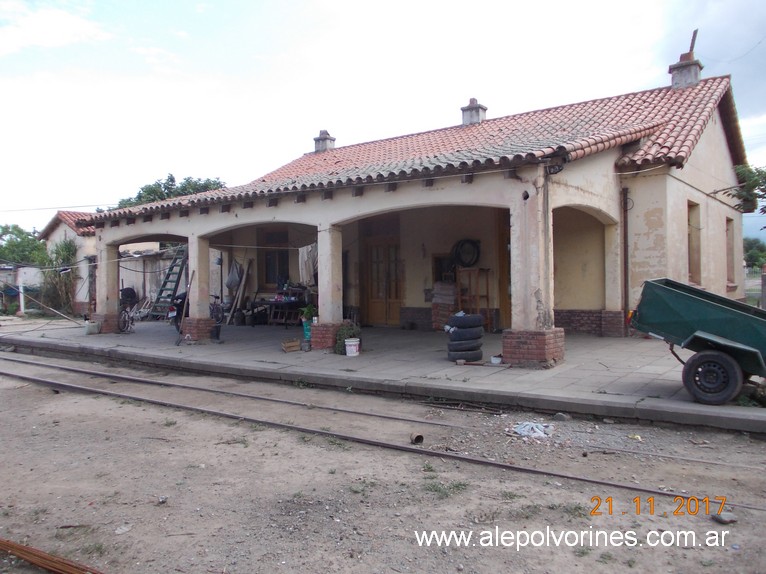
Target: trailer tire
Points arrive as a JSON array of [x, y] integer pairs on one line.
[[713, 377]]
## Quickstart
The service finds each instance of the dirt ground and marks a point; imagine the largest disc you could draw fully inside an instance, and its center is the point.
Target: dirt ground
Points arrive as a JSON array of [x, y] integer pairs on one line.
[[127, 487]]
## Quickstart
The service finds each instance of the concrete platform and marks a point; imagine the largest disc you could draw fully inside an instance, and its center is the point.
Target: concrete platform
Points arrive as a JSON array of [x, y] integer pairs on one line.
[[633, 378]]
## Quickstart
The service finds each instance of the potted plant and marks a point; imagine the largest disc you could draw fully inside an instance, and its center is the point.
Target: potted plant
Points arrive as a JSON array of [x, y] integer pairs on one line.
[[347, 330], [307, 315]]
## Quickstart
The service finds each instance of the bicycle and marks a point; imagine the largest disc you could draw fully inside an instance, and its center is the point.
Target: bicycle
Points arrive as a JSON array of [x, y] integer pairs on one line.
[[216, 310], [128, 310], [174, 314]]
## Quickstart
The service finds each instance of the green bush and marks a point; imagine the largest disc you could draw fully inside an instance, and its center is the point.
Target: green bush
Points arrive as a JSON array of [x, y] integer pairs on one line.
[[347, 330]]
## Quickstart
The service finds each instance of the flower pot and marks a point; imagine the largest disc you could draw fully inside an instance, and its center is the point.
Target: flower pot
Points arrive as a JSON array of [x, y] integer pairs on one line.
[[306, 330]]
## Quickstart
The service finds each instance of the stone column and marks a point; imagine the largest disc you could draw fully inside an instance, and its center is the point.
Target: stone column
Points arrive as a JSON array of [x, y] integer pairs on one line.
[[198, 325], [613, 316], [107, 287], [532, 341], [330, 286]]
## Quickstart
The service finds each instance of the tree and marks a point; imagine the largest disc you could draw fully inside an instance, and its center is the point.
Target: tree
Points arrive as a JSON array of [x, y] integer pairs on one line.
[[61, 276], [755, 252], [19, 247], [752, 191], [162, 190]]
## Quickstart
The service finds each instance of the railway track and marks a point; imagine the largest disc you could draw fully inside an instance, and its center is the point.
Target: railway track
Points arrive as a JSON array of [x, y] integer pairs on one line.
[[227, 399]]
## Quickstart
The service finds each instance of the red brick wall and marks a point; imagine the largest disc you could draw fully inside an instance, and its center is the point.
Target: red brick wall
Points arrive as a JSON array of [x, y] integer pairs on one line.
[[595, 322], [323, 335], [533, 349], [197, 329], [613, 324]]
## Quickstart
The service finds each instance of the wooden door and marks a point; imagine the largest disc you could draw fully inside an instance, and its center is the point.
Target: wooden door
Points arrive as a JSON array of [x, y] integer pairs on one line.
[[383, 287], [503, 269]]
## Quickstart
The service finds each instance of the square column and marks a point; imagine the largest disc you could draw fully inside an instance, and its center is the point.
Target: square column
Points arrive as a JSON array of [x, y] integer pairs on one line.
[[198, 325], [531, 261], [199, 262], [107, 287], [330, 280], [532, 341]]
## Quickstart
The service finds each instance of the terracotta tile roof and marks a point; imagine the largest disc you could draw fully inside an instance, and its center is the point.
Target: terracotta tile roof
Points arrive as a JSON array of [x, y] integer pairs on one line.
[[70, 219], [666, 123]]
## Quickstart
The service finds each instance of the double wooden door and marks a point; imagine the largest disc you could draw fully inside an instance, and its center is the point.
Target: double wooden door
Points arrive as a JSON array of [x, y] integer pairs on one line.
[[383, 281]]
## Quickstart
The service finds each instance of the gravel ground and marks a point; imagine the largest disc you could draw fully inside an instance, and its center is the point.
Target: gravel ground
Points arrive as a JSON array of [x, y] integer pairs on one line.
[[126, 487]]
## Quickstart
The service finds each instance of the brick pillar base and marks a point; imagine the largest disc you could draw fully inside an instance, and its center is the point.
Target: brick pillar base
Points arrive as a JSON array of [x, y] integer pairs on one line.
[[613, 324], [197, 330], [533, 349], [108, 322], [323, 335]]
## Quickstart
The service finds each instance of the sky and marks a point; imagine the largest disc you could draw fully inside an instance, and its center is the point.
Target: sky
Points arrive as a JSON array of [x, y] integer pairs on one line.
[[101, 97]]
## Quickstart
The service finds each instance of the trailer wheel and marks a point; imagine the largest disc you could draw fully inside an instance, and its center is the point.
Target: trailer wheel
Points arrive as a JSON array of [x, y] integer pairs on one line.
[[712, 377]]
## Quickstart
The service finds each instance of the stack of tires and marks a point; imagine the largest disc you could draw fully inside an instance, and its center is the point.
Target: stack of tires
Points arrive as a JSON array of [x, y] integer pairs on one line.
[[465, 337]]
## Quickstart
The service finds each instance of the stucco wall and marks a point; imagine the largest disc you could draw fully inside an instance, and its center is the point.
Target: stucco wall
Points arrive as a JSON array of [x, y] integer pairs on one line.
[[578, 260], [426, 233], [589, 183], [585, 198], [708, 171], [144, 274], [659, 213]]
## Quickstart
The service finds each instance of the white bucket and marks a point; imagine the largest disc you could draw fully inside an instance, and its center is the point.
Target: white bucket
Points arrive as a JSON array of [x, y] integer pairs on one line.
[[352, 347], [92, 328]]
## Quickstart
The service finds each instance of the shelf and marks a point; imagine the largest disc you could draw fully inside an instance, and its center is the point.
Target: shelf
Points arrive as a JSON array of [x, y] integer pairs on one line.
[[473, 292]]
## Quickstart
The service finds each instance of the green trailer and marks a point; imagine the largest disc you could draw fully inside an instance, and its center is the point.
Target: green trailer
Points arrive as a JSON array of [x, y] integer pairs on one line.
[[728, 337]]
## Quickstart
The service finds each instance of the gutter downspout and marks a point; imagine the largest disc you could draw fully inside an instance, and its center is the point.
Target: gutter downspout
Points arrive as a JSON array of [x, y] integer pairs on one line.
[[625, 266]]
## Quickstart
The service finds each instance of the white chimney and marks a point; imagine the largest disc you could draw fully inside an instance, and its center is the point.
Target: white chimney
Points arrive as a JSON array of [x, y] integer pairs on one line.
[[686, 72], [324, 142], [473, 113]]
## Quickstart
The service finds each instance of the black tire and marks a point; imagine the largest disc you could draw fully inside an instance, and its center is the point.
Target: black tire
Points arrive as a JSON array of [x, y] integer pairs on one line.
[[123, 321], [466, 321], [466, 334], [713, 377], [470, 345], [468, 356], [466, 252]]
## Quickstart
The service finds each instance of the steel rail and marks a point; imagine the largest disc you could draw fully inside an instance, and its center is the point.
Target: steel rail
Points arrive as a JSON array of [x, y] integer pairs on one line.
[[44, 560], [154, 382], [379, 443], [596, 449], [603, 449]]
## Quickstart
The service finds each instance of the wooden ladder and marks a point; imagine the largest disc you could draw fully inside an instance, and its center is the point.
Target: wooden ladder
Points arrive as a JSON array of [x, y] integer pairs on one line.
[[170, 283]]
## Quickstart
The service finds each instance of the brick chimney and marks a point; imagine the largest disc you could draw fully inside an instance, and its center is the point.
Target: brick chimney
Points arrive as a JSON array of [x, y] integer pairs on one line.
[[473, 113], [686, 72], [324, 142]]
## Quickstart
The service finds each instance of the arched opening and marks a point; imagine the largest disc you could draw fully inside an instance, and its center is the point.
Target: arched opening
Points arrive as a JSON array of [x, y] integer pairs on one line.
[[579, 270]]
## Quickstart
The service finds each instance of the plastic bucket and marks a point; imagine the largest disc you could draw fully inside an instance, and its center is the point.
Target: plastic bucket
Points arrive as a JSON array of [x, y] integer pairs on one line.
[[352, 347], [92, 328]]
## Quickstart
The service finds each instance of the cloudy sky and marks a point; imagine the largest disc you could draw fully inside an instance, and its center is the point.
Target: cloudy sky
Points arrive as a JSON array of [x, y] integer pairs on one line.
[[100, 97]]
